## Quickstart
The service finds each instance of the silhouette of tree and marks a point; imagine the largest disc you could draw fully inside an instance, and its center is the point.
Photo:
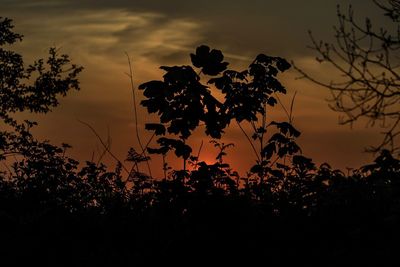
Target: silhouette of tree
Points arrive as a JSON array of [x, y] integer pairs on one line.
[[34, 88], [366, 59], [183, 102]]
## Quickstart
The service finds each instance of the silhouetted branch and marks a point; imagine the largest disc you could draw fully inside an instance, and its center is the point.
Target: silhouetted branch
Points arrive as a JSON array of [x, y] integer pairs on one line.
[[198, 154], [104, 145], [366, 59], [102, 154], [248, 139], [136, 114]]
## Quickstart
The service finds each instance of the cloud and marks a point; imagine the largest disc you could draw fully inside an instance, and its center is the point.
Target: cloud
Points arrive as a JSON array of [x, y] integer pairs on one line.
[[111, 32], [239, 27]]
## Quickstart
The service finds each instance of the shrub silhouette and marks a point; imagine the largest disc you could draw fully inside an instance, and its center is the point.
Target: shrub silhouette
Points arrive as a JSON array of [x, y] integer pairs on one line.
[[56, 211], [183, 102]]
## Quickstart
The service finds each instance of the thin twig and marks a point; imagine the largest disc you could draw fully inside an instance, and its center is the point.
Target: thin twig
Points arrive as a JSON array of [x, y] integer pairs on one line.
[[104, 144], [135, 113], [283, 106], [198, 154], [103, 153], [248, 139], [291, 107]]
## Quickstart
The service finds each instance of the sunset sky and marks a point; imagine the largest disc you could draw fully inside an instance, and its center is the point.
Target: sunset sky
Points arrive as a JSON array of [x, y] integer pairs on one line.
[[96, 35]]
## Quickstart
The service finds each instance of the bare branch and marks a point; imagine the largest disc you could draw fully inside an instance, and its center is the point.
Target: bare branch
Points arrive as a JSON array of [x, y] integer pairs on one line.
[[104, 145], [367, 62]]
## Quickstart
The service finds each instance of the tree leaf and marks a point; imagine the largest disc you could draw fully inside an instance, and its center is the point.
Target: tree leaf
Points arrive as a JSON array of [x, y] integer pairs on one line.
[[158, 128]]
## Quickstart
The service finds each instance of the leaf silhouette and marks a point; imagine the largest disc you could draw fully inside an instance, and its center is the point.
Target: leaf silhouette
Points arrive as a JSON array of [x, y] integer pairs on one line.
[[269, 150], [303, 163], [158, 128], [286, 128], [167, 144], [210, 62]]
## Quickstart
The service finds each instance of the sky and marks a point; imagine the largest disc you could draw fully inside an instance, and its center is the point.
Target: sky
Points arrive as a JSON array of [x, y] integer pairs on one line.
[[98, 35]]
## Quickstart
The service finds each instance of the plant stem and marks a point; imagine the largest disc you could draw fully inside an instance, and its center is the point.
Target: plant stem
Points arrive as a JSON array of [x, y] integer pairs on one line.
[[135, 113], [248, 139]]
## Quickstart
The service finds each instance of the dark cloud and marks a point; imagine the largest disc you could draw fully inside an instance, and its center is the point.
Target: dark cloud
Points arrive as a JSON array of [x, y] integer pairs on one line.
[[241, 27], [169, 57]]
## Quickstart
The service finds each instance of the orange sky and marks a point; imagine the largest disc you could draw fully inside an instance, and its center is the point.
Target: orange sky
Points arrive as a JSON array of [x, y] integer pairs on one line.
[[96, 34]]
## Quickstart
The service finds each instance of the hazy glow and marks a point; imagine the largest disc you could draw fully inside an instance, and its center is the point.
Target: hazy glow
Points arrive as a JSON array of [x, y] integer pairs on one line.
[[97, 38]]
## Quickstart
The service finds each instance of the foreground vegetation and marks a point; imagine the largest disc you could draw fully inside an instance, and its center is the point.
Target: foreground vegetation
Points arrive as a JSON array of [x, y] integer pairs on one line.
[[57, 211]]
